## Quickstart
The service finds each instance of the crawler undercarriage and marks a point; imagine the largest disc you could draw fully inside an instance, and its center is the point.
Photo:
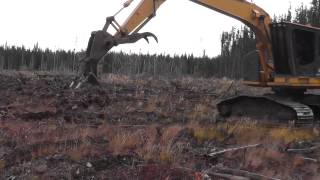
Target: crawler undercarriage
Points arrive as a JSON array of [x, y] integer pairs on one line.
[[297, 110]]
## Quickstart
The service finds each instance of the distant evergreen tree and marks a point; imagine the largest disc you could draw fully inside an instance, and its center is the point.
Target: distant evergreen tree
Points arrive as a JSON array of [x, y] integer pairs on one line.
[[301, 15], [314, 13]]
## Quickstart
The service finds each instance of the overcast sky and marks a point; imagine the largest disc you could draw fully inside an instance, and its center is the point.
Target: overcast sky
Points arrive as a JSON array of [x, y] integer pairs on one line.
[[181, 25]]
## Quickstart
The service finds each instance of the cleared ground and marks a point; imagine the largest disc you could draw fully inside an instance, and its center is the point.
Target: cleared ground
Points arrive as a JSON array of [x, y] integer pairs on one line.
[[141, 128]]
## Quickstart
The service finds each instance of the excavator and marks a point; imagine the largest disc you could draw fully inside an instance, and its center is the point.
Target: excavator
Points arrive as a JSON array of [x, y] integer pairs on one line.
[[288, 60]]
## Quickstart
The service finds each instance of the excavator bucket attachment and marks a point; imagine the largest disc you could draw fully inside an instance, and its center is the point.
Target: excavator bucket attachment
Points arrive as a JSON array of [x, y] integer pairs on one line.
[[100, 43]]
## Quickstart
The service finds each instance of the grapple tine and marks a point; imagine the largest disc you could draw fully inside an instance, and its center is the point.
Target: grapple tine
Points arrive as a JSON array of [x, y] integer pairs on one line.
[[146, 38], [149, 34]]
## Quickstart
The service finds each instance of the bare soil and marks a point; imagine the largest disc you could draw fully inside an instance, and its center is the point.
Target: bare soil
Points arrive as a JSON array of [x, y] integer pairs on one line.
[[141, 128]]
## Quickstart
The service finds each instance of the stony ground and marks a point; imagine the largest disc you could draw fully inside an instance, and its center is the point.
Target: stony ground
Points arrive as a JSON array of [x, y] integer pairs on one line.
[[141, 128]]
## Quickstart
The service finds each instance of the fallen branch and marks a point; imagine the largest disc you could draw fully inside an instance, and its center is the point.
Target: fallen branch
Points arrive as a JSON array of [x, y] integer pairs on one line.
[[305, 150], [310, 159], [128, 126], [239, 173], [233, 149], [228, 176]]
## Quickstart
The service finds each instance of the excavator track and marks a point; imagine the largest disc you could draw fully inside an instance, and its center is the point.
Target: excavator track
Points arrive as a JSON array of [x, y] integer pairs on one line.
[[268, 109], [304, 114]]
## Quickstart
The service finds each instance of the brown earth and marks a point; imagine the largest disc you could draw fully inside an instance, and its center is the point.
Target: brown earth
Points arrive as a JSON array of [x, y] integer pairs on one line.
[[140, 128]]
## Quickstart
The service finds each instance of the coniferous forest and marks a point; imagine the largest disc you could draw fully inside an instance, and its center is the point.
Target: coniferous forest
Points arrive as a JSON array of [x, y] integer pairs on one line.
[[237, 50]]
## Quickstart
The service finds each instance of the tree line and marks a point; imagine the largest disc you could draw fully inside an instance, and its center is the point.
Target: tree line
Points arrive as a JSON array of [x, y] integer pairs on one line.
[[37, 59], [237, 50]]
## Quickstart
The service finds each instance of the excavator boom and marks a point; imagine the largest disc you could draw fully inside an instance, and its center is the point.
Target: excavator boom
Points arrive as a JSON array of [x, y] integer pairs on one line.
[[248, 13]]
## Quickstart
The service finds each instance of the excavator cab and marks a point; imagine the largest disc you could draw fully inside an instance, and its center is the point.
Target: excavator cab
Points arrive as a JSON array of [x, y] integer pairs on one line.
[[296, 49], [296, 53]]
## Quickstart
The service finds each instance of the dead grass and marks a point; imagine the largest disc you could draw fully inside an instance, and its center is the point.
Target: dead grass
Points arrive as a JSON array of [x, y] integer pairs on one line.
[[243, 129], [169, 133], [166, 142], [2, 164], [203, 134], [123, 141], [80, 153], [201, 112], [150, 148], [151, 105], [288, 135], [116, 79], [152, 142]]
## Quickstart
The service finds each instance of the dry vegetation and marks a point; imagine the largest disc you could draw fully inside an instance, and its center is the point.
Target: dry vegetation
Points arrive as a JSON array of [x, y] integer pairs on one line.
[[139, 128]]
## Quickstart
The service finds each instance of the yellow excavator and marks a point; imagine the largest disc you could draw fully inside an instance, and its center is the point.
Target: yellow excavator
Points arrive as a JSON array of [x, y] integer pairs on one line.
[[288, 59]]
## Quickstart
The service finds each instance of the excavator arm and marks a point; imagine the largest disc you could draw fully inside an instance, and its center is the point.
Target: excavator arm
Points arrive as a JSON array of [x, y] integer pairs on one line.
[[248, 13], [141, 15]]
